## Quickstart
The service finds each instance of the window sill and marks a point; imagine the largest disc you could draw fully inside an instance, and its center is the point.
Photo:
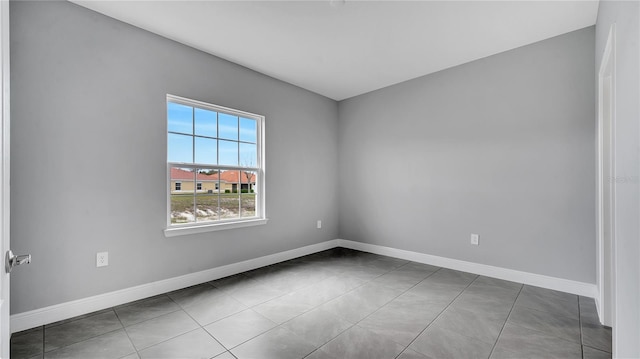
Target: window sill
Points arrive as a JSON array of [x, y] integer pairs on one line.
[[182, 231]]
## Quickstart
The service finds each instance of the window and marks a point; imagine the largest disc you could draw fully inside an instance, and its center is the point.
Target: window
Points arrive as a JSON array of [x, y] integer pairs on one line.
[[216, 165]]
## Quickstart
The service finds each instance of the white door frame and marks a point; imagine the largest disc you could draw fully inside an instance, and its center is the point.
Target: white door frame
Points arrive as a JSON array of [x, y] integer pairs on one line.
[[5, 330], [606, 185]]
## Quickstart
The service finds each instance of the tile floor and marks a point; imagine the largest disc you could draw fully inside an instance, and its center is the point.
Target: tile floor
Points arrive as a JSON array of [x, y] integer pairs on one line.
[[334, 304]]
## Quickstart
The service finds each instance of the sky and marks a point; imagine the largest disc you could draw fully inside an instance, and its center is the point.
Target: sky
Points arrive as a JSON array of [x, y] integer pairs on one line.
[[212, 137]]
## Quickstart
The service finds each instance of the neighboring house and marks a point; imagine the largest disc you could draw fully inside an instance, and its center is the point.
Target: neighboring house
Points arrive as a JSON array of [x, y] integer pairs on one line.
[[184, 181]]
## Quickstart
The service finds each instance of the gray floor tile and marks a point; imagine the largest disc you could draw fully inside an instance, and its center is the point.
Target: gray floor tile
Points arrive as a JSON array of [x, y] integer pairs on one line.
[[549, 293], [501, 353], [590, 353], [112, 345], [214, 309], [412, 354], [319, 354], [27, 344], [78, 330], [145, 309], [233, 283], [498, 283], [364, 273], [437, 292], [256, 294], [493, 289], [225, 355], [403, 319], [443, 343], [562, 327], [482, 303], [359, 343], [284, 308], [565, 308], [327, 289], [238, 328], [483, 326], [293, 279], [588, 311], [194, 295], [64, 321], [157, 330], [418, 267], [131, 356], [401, 280], [450, 277], [192, 345], [596, 336], [359, 303], [277, 343], [317, 326], [267, 272], [385, 263], [527, 343]]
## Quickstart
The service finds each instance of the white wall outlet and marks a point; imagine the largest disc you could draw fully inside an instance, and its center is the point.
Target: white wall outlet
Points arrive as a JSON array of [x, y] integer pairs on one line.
[[319, 224], [102, 259], [475, 239]]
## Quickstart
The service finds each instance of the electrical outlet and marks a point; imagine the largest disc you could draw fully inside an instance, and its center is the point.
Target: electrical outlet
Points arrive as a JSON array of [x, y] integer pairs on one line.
[[102, 259], [319, 224], [475, 239]]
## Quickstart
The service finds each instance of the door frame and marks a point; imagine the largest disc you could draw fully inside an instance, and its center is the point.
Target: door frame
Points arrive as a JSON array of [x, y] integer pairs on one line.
[[606, 278], [5, 328]]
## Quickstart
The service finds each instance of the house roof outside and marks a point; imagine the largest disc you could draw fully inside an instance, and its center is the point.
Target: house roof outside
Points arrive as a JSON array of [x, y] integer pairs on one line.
[[231, 176]]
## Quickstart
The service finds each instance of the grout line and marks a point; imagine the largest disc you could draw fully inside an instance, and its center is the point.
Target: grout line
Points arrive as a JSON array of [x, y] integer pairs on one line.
[[506, 320], [439, 314], [580, 325], [125, 332], [396, 297]]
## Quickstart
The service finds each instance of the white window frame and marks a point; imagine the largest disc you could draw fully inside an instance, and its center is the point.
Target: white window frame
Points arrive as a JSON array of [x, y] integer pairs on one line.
[[223, 224]]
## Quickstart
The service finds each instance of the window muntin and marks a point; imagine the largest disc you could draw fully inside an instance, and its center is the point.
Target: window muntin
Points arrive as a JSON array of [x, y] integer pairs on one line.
[[215, 163]]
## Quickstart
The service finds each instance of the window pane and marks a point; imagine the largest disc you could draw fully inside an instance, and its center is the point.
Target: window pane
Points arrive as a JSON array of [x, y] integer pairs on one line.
[[179, 118], [206, 207], [206, 122], [230, 198], [248, 130], [228, 126], [206, 152], [182, 199], [228, 153], [248, 196], [180, 148], [207, 197], [248, 155]]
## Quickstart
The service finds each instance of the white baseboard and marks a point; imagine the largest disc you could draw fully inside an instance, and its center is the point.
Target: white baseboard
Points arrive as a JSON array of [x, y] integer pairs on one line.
[[42, 316], [538, 280], [54, 313]]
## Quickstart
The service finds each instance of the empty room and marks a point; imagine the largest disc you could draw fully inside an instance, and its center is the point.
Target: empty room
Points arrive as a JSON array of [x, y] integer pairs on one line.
[[320, 179]]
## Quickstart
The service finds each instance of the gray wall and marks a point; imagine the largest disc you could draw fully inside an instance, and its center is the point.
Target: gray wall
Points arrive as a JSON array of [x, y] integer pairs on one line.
[[503, 146], [89, 159], [625, 14]]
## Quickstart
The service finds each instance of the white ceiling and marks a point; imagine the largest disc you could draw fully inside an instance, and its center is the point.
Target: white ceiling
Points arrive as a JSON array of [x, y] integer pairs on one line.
[[341, 49]]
